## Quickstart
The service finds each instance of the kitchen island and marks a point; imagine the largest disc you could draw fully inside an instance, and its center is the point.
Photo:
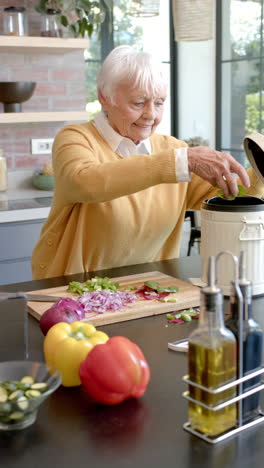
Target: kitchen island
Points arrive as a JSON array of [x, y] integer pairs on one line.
[[73, 431]]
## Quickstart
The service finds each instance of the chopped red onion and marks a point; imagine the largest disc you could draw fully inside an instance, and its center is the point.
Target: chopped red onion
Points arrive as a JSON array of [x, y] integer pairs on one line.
[[101, 301]]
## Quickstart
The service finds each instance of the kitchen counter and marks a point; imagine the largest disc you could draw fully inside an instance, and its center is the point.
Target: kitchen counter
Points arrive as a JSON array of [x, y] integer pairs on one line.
[[25, 209], [21, 202], [72, 430]]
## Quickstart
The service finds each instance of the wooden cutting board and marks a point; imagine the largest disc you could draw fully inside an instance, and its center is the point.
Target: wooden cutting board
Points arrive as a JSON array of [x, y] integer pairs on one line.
[[187, 296]]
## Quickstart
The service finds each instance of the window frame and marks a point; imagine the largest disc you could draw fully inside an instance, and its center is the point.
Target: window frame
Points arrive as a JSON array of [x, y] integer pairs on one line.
[[107, 44], [219, 62]]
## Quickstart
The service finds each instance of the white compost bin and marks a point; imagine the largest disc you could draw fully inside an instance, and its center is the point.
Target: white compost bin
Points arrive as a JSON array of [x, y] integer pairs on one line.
[[236, 225]]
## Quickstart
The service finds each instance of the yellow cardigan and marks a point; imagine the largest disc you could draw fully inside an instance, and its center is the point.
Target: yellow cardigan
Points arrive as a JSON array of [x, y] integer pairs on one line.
[[111, 211]]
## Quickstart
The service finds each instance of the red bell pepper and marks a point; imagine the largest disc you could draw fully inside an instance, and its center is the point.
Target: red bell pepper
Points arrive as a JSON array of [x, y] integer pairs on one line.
[[115, 371]]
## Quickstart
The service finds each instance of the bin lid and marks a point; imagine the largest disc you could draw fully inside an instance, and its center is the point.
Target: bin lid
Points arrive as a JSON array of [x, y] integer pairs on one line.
[[254, 149], [246, 203]]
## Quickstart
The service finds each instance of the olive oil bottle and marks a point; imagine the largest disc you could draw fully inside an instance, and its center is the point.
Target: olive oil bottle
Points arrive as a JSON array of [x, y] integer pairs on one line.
[[212, 363], [252, 336]]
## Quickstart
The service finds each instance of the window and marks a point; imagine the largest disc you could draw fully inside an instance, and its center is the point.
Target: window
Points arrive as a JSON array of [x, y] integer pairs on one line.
[[239, 84], [150, 34]]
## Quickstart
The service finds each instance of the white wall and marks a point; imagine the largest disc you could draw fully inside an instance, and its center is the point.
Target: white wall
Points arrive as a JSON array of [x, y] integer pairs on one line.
[[196, 75]]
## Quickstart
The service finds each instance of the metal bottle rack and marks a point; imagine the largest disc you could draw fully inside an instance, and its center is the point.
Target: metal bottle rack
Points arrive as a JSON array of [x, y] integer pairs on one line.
[[238, 383]]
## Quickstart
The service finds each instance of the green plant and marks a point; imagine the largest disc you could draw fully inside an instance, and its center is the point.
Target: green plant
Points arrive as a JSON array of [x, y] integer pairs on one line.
[[80, 17], [197, 141]]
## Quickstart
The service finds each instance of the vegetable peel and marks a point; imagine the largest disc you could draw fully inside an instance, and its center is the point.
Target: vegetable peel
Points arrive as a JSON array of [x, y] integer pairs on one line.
[[241, 193]]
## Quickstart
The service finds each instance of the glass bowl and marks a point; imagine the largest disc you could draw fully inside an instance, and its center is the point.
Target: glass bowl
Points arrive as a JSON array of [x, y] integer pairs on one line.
[[20, 400]]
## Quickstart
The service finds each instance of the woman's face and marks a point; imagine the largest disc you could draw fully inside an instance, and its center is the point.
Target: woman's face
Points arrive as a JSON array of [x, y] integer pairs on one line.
[[136, 113]]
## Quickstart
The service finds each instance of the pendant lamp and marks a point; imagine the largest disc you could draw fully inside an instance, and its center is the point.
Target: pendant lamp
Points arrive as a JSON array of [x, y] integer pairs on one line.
[[144, 8], [193, 19]]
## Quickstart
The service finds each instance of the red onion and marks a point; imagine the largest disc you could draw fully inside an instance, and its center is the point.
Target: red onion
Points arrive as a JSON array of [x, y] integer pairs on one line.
[[64, 310]]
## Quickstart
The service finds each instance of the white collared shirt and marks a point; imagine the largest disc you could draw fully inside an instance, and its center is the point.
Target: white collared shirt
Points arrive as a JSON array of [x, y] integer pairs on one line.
[[126, 147]]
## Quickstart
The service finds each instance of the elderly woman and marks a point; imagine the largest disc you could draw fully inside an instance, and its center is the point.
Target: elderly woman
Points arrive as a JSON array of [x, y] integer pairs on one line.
[[121, 190]]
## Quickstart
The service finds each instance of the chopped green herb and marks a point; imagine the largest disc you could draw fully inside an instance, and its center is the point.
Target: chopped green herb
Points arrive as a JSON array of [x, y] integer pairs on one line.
[[168, 299], [157, 287], [186, 315], [94, 284], [170, 316], [131, 288]]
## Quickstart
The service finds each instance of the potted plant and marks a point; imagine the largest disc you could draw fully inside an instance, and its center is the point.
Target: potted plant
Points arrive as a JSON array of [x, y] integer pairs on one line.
[[80, 17], [197, 141], [43, 178]]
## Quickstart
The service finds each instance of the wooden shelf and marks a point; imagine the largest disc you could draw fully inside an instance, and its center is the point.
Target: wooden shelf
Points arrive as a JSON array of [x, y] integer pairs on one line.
[[32, 117], [42, 44]]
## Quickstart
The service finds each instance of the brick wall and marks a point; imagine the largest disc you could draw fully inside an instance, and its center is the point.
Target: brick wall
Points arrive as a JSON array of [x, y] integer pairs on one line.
[[60, 86]]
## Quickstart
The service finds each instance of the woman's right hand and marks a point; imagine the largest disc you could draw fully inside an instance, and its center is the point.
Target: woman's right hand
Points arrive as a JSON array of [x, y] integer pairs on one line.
[[217, 168]]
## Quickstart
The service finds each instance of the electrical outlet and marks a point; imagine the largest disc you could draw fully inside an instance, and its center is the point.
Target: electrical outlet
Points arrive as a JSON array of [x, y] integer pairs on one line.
[[41, 146]]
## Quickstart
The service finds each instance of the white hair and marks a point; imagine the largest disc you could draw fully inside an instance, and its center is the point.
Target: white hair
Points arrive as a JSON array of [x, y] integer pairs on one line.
[[124, 63]]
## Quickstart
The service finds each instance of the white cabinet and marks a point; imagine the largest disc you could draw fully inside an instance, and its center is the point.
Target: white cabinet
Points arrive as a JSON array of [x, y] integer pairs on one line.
[[17, 241]]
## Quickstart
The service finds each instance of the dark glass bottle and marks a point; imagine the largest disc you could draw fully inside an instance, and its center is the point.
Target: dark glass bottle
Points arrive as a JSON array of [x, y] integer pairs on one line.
[[252, 343]]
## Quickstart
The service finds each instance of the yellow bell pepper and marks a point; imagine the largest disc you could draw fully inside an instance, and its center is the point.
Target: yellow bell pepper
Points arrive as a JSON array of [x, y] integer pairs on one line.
[[66, 345]]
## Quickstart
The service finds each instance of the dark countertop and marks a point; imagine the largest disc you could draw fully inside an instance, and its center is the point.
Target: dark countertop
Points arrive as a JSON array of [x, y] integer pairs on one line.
[[73, 431]]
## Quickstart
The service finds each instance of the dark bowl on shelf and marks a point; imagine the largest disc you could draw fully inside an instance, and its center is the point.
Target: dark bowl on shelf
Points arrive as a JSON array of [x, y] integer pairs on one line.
[[13, 93]]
